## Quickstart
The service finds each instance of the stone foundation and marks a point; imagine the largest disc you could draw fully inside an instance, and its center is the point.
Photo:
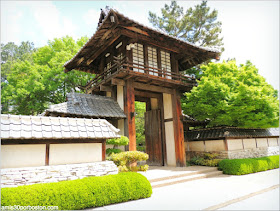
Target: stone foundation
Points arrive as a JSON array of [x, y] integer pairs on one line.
[[13, 177], [253, 153]]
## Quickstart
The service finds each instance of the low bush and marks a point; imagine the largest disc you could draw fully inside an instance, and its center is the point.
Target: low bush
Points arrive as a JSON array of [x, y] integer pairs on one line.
[[109, 151], [81, 193], [208, 159], [248, 165], [126, 160], [122, 141]]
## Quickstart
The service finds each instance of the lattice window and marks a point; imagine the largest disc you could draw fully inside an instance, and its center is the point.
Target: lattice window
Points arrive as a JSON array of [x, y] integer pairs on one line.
[[152, 60], [165, 63], [108, 66], [120, 57], [138, 57]]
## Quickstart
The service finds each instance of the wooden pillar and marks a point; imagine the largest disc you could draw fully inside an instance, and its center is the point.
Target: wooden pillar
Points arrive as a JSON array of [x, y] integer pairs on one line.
[[178, 129], [104, 150], [130, 113], [47, 158]]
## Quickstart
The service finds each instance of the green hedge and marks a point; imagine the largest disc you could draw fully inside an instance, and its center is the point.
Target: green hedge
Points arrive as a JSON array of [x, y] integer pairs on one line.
[[80, 193], [249, 165]]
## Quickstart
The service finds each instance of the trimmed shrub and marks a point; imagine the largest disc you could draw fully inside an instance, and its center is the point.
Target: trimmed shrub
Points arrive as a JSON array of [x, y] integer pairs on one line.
[[109, 151], [248, 165], [81, 193], [126, 160], [208, 159], [122, 141]]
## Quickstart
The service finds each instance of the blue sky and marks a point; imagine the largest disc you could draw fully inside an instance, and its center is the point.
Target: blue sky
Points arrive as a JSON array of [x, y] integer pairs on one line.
[[250, 28]]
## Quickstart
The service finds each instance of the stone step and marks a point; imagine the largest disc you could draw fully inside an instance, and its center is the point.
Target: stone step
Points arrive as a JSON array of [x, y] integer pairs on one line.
[[181, 179], [183, 174]]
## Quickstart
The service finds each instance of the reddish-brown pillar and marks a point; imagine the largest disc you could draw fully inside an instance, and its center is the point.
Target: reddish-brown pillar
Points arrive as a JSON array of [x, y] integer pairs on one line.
[[130, 111], [178, 130], [104, 150]]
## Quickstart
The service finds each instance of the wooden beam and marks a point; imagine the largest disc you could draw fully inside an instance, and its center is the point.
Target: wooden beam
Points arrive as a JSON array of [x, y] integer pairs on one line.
[[147, 94], [105, 88], [131, 115], [180, 153], [149, 40], [47, 141], [116, 81], [152, 88], [103, 48], [133, 28]]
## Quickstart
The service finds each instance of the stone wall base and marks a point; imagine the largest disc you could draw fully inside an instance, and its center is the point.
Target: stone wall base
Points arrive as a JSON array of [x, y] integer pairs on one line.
[[13, 177], [235, 154], [254, 153]]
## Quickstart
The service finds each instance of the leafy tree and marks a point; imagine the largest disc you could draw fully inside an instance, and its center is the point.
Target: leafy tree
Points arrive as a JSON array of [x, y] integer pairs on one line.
[[233, 95], [197, 25], [11, 53], [34, 84], [140, 109]]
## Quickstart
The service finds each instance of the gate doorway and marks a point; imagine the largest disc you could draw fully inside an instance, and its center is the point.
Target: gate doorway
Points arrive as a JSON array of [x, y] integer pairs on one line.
[[153, 137]]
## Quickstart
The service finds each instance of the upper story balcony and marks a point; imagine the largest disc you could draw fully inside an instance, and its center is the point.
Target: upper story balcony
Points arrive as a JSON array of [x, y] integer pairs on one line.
[[122, 68]]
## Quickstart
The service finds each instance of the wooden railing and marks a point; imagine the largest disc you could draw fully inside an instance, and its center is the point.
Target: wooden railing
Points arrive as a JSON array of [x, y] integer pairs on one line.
[[123, 65]]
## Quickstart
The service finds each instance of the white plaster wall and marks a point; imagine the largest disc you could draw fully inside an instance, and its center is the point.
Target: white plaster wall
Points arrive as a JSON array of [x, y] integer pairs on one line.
[[75, 153], [23, 155], [261, 142], [154, 103], [167, 105], [272, 142], [196, 146], [234, 144], [120, 96], [249, 143], [170, 144], [214, 145]]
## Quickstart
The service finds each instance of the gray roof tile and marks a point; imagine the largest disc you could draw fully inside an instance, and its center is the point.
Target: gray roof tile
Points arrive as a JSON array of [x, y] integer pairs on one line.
[[87, 105], [34, 127], [222, 132]]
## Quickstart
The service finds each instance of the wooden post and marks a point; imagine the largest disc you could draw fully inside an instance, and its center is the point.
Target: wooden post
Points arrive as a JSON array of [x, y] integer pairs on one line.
[[178, 130], [104, 150], [130, 113], [47, 158]]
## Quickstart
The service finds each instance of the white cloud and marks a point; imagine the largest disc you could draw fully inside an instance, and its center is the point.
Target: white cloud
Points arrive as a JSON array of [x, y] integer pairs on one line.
[[49, 21], [10, 26], [91, 17]]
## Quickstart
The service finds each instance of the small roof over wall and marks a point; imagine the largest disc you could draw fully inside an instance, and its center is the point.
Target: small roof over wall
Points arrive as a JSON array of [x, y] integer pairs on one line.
[[229, 132], [192, 122], [40, 127], [88, 106]]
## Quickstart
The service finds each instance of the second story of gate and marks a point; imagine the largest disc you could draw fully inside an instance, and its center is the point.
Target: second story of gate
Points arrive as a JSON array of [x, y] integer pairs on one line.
[[123, 49]]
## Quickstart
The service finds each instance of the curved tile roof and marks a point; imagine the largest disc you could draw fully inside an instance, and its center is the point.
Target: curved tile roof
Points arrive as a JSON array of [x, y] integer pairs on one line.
[[222, 132], [87, 105], [40, 127]]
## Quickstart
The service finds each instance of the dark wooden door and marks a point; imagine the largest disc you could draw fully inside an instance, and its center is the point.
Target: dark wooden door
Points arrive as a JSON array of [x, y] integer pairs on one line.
[[153, 137]]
